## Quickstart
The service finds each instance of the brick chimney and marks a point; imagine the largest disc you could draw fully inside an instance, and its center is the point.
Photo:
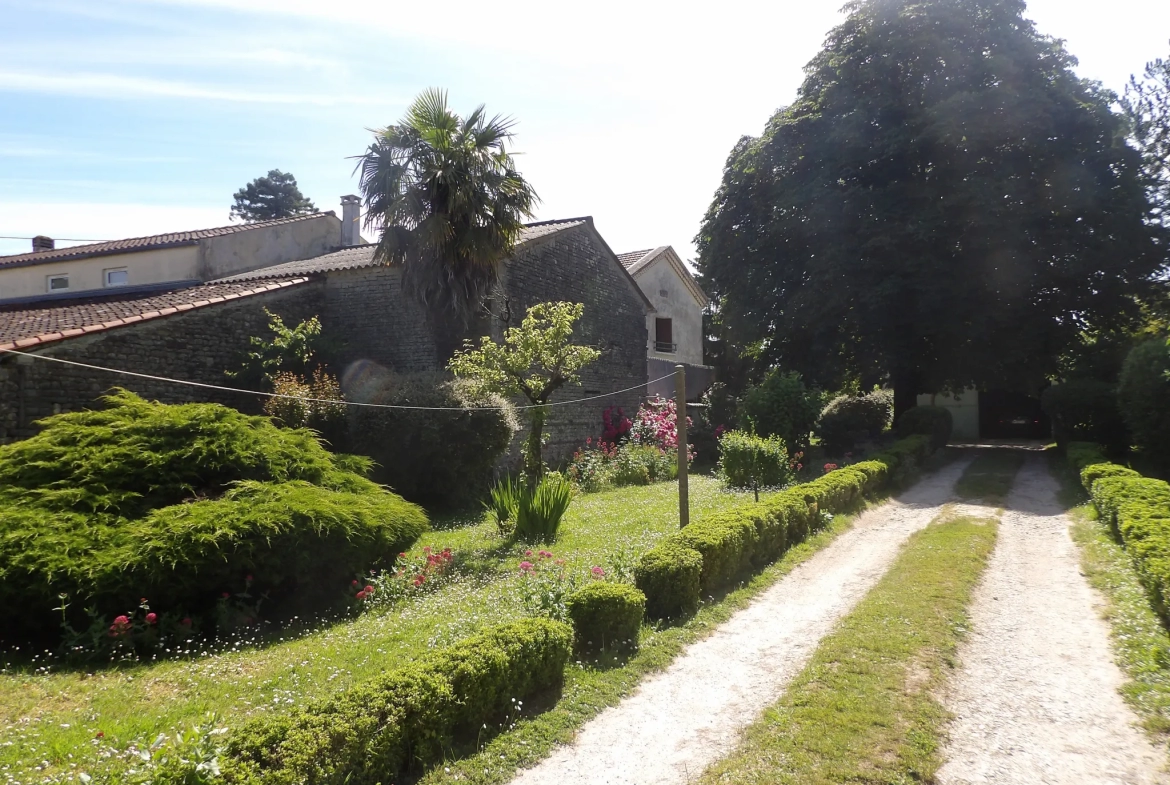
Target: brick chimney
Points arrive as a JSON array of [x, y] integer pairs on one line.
[[351, 225], [42, 243]]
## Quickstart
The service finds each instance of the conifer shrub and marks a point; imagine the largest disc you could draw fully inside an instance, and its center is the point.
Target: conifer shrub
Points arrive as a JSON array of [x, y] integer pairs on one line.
[[933, 421], [404, 719], [179, 504], [606, 615]]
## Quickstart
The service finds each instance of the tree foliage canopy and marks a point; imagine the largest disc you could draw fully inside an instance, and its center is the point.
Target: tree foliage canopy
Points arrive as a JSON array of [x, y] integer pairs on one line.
[[945, 204], [273, 196], [445, 195], [1147, 105]]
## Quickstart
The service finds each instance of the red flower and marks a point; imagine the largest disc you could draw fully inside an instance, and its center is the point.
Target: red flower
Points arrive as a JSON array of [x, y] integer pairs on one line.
[[361, 595], [151, 618], [100, 734], [248, 578], [353, 582], [402, 556], [526, 566], [598, 572], [527, 553], [186, 622], [419, 580], [369, 590], [225, 595]]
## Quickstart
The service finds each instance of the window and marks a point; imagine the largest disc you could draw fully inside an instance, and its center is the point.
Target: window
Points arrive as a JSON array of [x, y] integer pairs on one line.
[[664, 336], [58, 283], [117, 277]]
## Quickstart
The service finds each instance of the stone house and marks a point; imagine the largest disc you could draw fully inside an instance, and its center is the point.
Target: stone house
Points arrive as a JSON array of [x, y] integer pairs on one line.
[[196, 332], [162, 262], [675, 327]]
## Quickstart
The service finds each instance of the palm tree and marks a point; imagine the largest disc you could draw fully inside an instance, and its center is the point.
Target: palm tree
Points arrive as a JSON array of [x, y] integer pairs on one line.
[[445, 195]]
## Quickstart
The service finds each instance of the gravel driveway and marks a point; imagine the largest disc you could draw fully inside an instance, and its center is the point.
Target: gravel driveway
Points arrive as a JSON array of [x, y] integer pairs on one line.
[[1036, 697], [682, 719]]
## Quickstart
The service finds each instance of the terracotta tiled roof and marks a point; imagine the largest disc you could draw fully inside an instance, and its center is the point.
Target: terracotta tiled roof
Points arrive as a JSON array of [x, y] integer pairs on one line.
[[631, 258], [360, 256], [171, 240], [29, 328]]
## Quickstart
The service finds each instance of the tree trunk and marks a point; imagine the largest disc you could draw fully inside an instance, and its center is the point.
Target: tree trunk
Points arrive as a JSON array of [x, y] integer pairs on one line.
[[533, 460]]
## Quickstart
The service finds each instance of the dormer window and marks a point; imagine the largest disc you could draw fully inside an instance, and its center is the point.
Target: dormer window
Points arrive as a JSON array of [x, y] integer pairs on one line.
[[118, 276], [57, 283]]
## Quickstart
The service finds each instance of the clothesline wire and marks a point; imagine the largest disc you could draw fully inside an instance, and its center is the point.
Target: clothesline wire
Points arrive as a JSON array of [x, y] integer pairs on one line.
[[222, 388]]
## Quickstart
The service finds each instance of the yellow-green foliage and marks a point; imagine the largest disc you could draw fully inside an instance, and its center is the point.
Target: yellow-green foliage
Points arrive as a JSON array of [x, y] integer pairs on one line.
[[606, 615], [177, 504], [1138, 508], [405, 718], [753, 534]]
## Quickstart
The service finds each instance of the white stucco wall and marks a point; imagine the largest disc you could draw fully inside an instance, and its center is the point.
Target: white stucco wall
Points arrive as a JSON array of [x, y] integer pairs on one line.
[[264, 246], [964, 412], [672, 300], [211, 258], [145, 267]]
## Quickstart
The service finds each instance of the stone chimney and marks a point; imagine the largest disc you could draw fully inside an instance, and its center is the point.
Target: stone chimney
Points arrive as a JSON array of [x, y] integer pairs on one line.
[[42, 243], [351, 224]]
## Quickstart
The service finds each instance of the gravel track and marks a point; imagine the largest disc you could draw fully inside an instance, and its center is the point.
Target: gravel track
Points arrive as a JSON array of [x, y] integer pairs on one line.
[[1036, 697], [683, 719]]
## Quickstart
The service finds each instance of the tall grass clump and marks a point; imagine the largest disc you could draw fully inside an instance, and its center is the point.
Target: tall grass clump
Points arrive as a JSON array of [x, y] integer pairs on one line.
[[180, 505], [540, 509]]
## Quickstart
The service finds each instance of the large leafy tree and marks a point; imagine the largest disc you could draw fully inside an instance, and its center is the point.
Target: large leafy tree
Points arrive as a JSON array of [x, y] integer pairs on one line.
[[945, 204], [1147, 105], [267, 198], [447, 199]]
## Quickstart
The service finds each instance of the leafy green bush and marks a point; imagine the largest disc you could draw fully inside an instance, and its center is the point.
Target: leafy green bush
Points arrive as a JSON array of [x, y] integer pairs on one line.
[[642, 464], [849, 418], [782, 406], [606, 615], [933, 421], [178, 504], [750, 461], [668, 575], [1143, 393], [375, 732], [1085, 410], [539, 510], [438, 458], [750, 535]]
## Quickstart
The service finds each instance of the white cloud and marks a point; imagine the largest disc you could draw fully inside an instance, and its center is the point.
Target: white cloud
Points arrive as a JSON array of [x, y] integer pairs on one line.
[[129, 87]]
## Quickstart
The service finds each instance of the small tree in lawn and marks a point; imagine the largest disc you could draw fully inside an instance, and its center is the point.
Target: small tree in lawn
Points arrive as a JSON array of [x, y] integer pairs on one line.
[[534, 361]]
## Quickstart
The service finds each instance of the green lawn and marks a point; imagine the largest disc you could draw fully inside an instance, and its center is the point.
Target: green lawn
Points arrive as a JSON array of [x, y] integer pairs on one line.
[[864, 708], [55, 715], [989, 477]]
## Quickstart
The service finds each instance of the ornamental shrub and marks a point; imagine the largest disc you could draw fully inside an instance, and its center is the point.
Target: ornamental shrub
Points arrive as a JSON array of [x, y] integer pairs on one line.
[[668, 575], [782, 406], [932, 421], [606, 615], [178, 504], [750, 461], [849, 418], [1085, 410], [1143, 394], [404, 719], [439, 458]]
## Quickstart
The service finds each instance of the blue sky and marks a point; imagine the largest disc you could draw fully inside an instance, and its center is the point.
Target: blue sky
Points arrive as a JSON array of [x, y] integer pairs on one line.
[[130, 117]]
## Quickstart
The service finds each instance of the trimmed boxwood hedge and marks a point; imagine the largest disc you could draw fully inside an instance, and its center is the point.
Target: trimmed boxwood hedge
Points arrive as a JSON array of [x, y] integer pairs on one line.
[[404, 719], [606, 615], [1138, 508], [750, 535], [178, 504]]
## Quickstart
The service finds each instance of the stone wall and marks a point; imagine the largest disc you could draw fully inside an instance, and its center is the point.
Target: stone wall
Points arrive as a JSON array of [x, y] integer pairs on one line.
[[197, 345]]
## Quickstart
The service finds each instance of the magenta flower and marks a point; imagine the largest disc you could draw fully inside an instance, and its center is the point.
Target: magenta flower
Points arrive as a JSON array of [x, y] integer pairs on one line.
[[151, 618], [598, 572], [526, 566]]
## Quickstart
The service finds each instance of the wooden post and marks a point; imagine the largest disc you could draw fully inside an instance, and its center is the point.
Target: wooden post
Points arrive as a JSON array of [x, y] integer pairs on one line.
[[680, 417]]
